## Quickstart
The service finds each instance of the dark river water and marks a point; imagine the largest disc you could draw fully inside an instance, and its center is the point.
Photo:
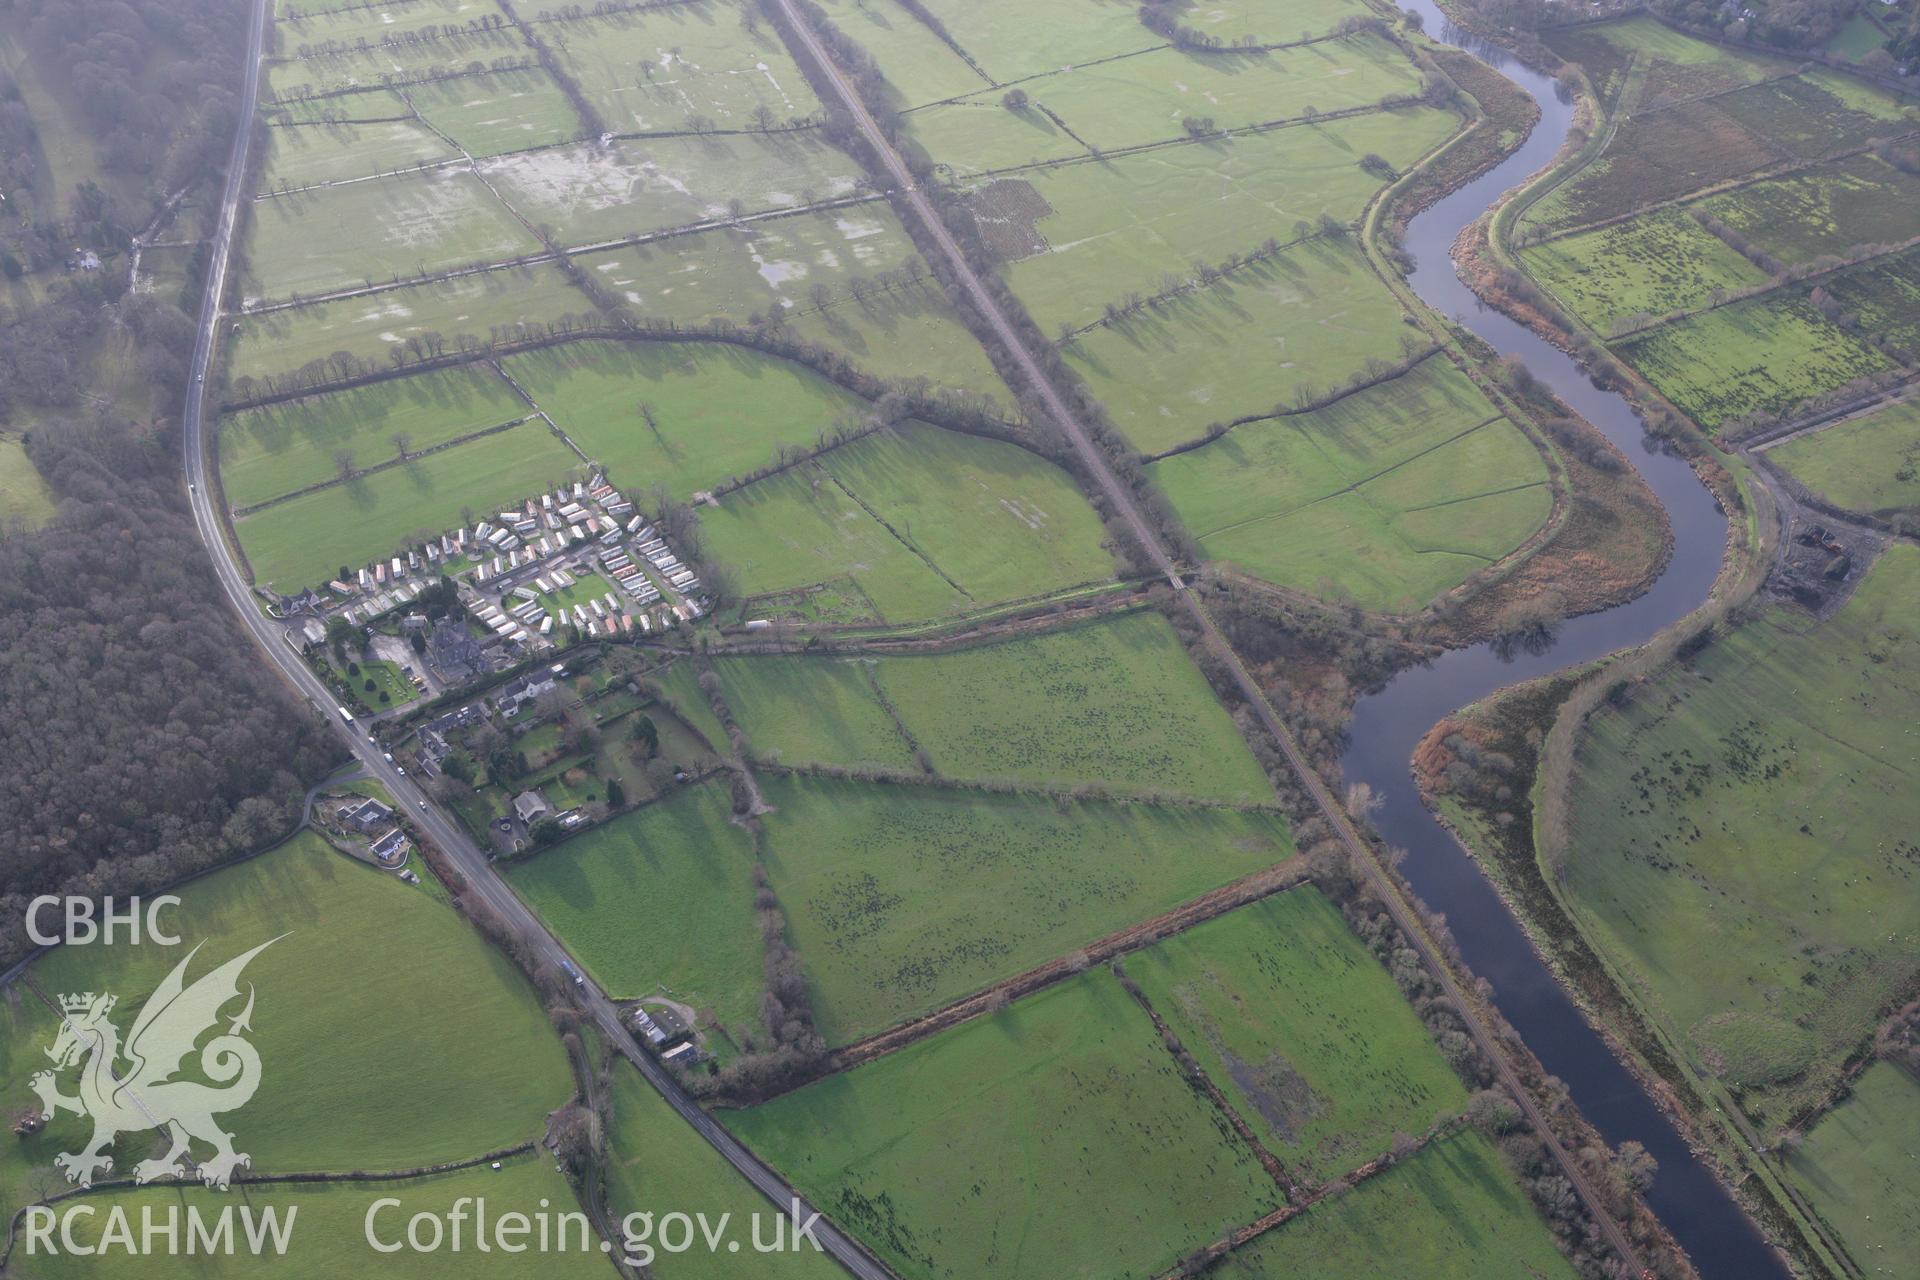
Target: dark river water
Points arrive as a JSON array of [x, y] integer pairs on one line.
[[1388, 725]]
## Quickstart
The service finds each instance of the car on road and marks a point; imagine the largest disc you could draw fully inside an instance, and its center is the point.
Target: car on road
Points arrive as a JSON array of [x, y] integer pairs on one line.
[[423, 804]]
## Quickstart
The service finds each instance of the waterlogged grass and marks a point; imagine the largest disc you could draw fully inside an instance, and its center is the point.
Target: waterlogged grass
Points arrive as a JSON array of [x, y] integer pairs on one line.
[[1858, 1166], [717, 410], [659, 1165], [367, 1044], [902, 898], [1765, 355], [1311, 316], [282, 447], [1121, 225], [1297, 1023], [1831, 208], [1644, 267], [1869, 464], [340, 237], [661, 898], [483, 306], [758, 266], [591, 193], [1053, 1139], [1440, 1216], [1384, 498], [305, 540], [923, 522], [327, 1229], [1744, 856]]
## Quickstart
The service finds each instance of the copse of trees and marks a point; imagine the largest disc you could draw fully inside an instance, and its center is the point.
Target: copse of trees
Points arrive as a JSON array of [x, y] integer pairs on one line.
[[141, 739]]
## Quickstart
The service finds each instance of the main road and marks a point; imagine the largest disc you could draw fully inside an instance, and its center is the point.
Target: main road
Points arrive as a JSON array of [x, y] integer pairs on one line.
[[444, 832], [1359, 851]]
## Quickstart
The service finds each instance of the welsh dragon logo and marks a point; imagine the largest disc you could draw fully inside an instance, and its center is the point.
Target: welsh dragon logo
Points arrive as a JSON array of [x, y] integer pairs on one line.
[[146, 1095]]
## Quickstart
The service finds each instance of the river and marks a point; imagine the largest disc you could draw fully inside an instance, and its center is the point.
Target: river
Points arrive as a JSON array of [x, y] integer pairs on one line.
[[1388, 725]]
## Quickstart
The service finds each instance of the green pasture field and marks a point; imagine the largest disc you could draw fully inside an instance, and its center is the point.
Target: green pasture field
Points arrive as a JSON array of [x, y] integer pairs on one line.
[[394, 227], [1053, 1139], [366, 1009], [1297, 1023], [1124, 223], [1884, 297], [24, 497], [1830, 208], [1870, 463], [919, 66], [1310, 316], [1267, 21], [1657, 156], [655, 71], [681, 684], [1113, 702], [300, 155], [907, 333], [802, 711], [1000, 521], [500, 111], [275, 343], [1767, 354], [902, 898], [1819, 112], [659, 1165], [305, 540], [754, 268], [718, 410], [924, 521], [799, 529], [1013, 39], [1858, 1167], [1141, 716], [977, 135], [1384, 498], [662, 897], [1145, 99], [279, 448], [1441, 1215], [590, 194], [1651, 265], [329, 1236], [1745, 856], [1856, 39]]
